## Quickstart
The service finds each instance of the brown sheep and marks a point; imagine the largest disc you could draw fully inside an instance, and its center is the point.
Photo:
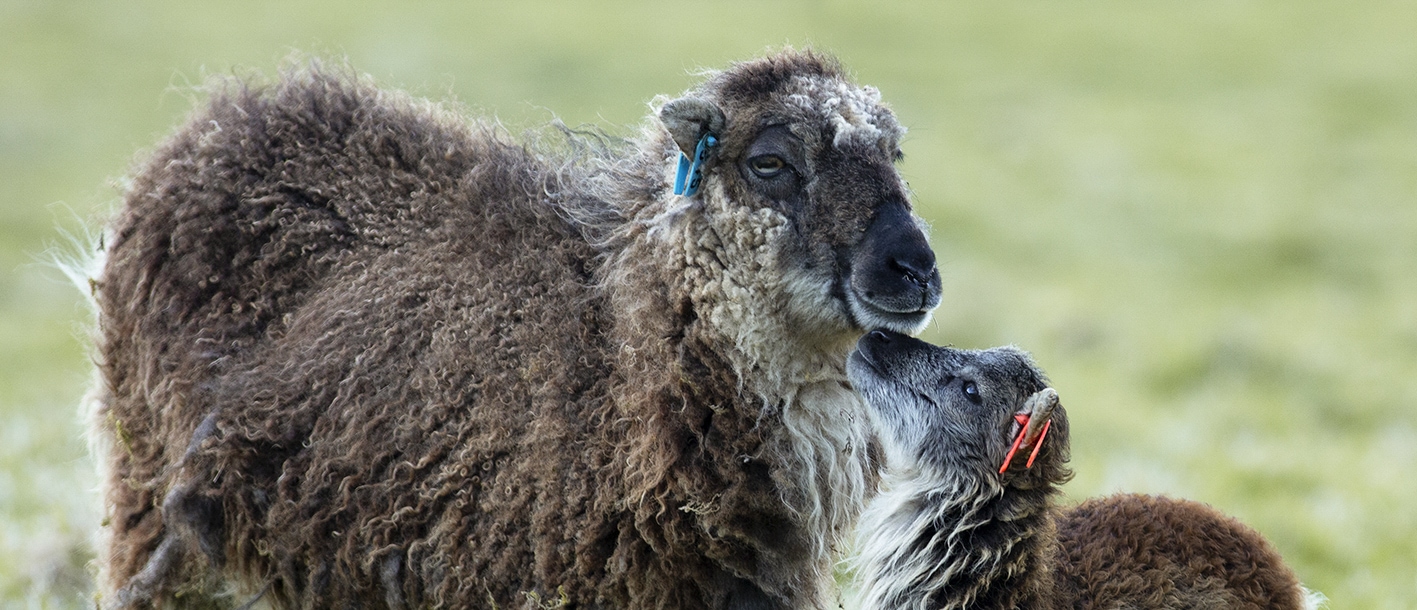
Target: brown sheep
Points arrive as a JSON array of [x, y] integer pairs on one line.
[[358, 351], [976, 446]]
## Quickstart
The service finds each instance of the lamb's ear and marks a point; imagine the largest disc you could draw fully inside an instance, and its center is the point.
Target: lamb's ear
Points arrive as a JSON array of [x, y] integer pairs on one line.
[[688, 119]]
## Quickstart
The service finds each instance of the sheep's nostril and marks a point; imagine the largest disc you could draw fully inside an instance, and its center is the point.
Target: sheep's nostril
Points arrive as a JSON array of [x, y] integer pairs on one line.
[[917, 272], [880, 335]]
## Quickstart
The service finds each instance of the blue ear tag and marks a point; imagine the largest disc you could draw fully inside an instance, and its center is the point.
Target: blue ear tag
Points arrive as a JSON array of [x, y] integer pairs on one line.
[[692, 171]]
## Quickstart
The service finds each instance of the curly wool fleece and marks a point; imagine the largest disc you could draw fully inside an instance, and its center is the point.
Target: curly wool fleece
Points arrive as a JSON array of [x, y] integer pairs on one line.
[[357, 351]]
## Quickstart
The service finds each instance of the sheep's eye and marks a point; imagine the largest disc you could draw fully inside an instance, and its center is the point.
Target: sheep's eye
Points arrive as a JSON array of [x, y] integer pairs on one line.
[[971, 391], [767, 166]]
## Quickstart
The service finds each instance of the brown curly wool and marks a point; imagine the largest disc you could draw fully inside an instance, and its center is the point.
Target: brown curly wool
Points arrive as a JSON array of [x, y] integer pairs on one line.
[[359, 352], [1158, 552]]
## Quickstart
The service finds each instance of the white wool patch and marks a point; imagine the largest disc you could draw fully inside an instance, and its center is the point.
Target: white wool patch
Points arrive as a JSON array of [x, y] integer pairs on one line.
[[892, 567], [82, 262], [1313, 600], [825, 444], [855, 113]]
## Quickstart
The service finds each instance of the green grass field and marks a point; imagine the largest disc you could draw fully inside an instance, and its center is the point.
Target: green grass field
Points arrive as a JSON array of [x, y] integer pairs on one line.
[[1201, 218]]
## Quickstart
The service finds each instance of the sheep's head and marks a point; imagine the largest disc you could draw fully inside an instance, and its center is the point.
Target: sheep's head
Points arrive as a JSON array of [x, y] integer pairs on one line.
[[796, 138], [952, 413]]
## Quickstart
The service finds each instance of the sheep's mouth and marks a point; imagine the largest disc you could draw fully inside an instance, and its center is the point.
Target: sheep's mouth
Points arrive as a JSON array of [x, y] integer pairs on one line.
[[903, 313]]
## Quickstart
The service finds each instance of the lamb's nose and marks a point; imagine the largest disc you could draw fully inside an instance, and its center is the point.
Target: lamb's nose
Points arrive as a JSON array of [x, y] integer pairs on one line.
[[881, 336]]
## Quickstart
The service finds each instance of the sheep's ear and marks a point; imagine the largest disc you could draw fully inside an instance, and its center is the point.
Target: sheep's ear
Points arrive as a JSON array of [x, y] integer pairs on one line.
[[688, 119]]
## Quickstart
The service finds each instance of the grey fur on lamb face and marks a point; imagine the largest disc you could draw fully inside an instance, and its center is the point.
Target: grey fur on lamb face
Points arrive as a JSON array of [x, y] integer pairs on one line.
[[945, 409]]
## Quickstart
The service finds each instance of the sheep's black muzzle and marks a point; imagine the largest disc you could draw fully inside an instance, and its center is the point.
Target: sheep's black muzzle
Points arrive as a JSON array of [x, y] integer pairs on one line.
[[894, 283]]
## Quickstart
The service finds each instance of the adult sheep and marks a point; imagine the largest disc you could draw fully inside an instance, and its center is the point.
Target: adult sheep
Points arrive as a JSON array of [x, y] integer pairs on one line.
[[358, 352]]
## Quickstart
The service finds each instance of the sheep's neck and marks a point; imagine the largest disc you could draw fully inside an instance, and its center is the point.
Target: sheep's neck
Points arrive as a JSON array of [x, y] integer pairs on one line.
[[696, 292], [968, 544]]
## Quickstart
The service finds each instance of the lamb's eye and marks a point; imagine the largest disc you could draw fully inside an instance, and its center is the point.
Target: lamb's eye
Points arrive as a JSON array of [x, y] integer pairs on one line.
[[971, 391], [767, 166]]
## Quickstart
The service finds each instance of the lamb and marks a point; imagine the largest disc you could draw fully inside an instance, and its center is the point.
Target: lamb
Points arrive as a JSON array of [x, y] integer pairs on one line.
[[976, 446], [358, 351]]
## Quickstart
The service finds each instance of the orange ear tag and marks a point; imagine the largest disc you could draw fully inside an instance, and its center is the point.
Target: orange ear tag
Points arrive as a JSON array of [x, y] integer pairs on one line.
[[1023, 427], [1041, 435]]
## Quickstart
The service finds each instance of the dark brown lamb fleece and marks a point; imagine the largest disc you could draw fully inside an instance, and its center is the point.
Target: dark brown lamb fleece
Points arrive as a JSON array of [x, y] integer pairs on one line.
[[358, 352], [1130, 548]]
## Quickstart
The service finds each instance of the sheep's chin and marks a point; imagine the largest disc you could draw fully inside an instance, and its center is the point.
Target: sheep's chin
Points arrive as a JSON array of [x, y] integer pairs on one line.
[[869, 317]]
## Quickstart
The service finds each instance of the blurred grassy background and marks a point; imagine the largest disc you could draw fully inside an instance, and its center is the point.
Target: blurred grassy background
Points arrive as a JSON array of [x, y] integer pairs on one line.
[[1201, 217]]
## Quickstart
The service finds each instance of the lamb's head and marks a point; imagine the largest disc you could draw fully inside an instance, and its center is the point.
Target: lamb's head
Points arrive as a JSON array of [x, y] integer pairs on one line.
[[796, 142], [947, 413]]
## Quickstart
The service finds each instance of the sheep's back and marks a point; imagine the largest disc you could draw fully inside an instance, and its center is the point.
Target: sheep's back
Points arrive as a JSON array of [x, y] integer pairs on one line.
[[1140, 551], [378, 309]]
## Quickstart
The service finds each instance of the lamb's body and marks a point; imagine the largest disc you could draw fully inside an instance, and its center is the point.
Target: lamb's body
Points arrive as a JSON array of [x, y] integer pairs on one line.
[[358, 352], [1137, 551], [951, 530]]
